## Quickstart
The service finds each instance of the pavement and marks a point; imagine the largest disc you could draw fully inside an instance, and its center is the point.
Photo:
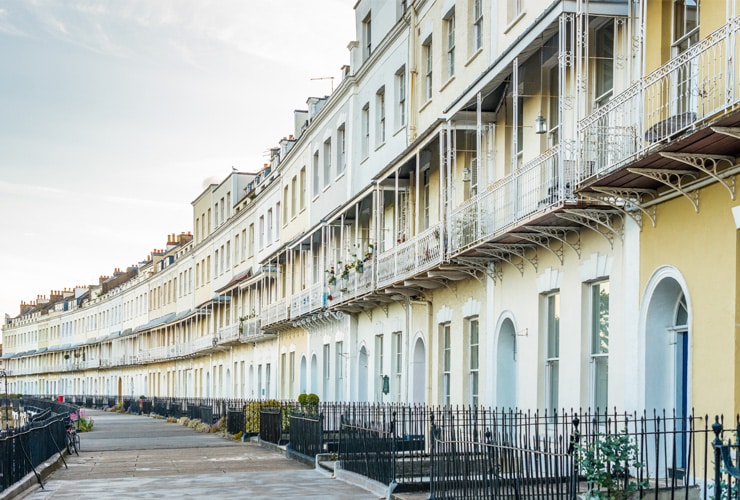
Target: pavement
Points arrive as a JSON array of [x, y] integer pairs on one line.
[[142, 457]]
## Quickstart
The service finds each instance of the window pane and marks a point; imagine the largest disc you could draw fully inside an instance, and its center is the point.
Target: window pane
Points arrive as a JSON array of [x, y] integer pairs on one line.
[[601, 378]]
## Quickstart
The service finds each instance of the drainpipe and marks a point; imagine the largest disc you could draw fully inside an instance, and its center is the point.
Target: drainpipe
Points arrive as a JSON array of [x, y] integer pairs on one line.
[[413, 73]]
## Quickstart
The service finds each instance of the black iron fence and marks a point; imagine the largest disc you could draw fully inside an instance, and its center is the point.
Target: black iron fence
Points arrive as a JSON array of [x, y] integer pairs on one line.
[[485, 453], [306, 433], [22, 450]]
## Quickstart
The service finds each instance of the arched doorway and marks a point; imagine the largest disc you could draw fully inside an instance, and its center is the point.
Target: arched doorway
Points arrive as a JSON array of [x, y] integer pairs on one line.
[[666, 329], [303, 374], [208, 385], [418, 389], [506, 376], [314, 374], [362, 375], [227, 384]]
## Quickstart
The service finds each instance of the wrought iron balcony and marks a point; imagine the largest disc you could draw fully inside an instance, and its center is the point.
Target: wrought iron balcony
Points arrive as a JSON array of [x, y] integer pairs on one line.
[[419, 254], [359, 281], [538, 187], [307, 301], [689, 91], [277, 312]]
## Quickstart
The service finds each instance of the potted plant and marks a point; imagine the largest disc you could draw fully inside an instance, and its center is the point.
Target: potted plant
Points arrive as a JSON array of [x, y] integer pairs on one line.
[[606, 464], [332, 278]]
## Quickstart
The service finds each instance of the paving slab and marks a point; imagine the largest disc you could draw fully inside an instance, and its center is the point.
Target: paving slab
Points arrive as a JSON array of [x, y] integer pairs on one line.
[[142, 457]]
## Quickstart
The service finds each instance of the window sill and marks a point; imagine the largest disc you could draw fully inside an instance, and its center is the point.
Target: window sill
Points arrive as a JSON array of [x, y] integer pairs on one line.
[[423, 106], [400, 129], [514, 22], [379, 146], [448, 82], [339, 176], [473, 57]]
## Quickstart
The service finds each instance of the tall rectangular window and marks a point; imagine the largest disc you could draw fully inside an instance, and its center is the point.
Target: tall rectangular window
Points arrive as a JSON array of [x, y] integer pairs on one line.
[[286, 199], [397, 353], [228, 254], [302, 189], [293, 196], [291, 374], [685, 25], [327, 369], [513, 9], [554, 104], [269, 226], [401, 93], [339, 371], [367, 39], [341, 150], [316, 174], [600, 344], [366, 130], [477, 25], [450, 29], [379, 367], [251, 240], [427, 54], [380, 113], [327, 162], [604, 64], [552, 340], [473, 361], [261, 243], [446, 362]]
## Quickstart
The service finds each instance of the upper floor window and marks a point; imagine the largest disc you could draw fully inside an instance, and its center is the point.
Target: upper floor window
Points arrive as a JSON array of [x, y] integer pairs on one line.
[[341, 149], [477, 25], [302, 189], [366, 130], [604, 64], [316, 174], [450, 30], [269, 226], [294, 196], [380, 113], [513, 9], [327, 162], [401, 93], [286, 199], [685, 24], [427, 50], [367, 41], [261, 232]]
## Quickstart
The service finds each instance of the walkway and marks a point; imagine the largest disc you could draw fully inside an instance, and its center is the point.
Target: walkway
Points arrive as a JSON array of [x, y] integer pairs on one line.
[[148, 458]]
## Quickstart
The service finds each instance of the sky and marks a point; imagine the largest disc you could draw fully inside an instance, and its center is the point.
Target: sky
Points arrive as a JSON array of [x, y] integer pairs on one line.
[[114, 116]]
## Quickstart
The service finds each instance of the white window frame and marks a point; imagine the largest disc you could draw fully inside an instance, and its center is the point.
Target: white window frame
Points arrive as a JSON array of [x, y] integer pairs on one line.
[[599, 350], [552, 349]]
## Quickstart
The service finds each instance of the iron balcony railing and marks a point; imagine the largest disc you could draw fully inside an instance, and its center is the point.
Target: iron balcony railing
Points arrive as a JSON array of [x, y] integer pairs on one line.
[[306, 301], [409, 258], [276, 312], [539, 185], [228, 333], [358, 282], [688, 91]]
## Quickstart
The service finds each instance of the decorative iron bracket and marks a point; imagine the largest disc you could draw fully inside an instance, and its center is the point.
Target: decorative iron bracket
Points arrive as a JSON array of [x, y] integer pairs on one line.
[[624, 199], [599, 221], [504, 252], [731, 131], [674, 179], [708, 164], [559, 233], [480, 264]]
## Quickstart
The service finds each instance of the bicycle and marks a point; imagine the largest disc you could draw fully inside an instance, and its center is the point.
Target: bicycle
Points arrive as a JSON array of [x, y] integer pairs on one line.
[[73, 438]]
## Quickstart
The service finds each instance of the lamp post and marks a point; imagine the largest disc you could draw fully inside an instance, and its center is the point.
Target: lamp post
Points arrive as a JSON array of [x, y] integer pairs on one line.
[[4, 374]]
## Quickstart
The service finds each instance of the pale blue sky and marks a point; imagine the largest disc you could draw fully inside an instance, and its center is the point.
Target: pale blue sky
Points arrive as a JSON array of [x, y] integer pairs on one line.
[[113, 113]]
